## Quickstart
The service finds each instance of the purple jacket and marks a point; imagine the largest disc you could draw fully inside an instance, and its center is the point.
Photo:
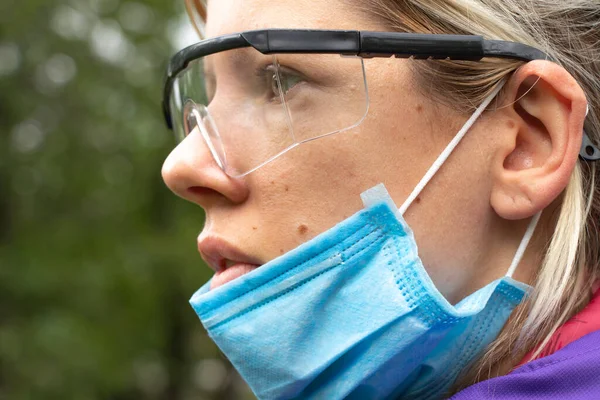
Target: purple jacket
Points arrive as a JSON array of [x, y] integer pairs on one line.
[[573, 372]]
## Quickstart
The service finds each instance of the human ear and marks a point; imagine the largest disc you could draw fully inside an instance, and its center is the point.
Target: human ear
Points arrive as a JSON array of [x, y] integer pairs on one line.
[[539, 145]]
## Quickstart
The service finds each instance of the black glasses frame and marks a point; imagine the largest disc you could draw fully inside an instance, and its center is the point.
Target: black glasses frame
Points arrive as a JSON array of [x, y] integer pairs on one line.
[[363, 44]]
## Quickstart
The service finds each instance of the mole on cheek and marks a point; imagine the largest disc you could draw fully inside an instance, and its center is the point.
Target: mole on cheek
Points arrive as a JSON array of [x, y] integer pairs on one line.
[[302, 229], [419, 108]]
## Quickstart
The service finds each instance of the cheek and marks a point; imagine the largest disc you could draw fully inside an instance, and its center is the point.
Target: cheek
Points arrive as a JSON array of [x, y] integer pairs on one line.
[[309, 189], [318, 184], [305, 192]]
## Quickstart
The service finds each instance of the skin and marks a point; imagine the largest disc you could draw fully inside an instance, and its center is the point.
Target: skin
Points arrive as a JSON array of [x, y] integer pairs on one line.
[[469, 220]]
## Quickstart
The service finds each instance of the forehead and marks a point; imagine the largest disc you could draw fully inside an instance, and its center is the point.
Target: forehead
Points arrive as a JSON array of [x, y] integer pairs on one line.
[[227, 16]]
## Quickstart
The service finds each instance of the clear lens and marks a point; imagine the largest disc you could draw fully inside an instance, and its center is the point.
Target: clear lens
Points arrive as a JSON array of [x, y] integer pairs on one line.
[[198, 117], [251, 108]]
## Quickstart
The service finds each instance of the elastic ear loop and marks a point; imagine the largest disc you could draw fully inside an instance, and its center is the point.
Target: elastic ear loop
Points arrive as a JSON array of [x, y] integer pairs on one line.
[[437, 164], [523, 246], [442, 159]]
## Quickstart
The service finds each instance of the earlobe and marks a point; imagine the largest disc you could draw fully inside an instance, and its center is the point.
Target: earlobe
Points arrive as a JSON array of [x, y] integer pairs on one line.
[[540, 144]]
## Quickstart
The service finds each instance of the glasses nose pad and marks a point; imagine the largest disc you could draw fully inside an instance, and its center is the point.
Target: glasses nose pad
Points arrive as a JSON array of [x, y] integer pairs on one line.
[[198, 115]]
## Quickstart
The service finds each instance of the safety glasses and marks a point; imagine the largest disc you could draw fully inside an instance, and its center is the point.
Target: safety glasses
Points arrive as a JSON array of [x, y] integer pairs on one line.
[[255, 95]]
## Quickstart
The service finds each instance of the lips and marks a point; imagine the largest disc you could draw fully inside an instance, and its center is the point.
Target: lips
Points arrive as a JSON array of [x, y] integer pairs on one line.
[[226, 260]]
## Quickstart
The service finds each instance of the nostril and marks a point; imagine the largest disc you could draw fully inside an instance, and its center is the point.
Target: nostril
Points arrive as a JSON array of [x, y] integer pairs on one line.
[[202, 191]]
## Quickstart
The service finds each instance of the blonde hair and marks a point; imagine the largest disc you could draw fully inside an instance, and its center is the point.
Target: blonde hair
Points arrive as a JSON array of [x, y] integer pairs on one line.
[[568, 31]]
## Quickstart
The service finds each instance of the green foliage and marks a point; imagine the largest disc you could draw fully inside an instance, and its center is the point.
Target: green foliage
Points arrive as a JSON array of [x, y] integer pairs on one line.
[[97, 258]]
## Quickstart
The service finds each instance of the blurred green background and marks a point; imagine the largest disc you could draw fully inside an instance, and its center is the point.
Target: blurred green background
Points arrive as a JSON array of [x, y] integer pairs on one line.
[[97, 258]]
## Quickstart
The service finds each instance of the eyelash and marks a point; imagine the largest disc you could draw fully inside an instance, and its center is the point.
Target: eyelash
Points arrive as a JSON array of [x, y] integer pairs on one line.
[[269, 72]]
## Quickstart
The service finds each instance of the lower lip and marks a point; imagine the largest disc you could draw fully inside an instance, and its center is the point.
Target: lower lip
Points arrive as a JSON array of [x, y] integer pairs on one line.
[[230, 273]]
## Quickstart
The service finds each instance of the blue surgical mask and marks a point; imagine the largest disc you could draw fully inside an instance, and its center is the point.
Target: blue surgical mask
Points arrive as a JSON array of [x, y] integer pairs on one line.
[[353, 314]]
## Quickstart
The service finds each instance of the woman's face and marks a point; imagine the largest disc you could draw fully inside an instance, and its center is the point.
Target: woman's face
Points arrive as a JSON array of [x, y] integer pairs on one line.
[[316, 185]]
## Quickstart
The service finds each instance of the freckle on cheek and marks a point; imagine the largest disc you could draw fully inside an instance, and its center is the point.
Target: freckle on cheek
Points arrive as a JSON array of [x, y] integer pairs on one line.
[[419, 108], [418, 200], [287, 189], [511, 124], [254, 228], [302, 229], [281, 251]]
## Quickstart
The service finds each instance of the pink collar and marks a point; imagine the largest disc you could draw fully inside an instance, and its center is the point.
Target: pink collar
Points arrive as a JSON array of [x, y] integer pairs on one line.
[[586, 321]]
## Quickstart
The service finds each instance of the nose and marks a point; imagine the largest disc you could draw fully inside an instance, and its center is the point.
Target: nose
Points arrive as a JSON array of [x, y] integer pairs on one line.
[[191, 172]]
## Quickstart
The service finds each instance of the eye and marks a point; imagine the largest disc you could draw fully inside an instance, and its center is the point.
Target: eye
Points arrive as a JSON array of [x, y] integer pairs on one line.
[[288, 81]]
